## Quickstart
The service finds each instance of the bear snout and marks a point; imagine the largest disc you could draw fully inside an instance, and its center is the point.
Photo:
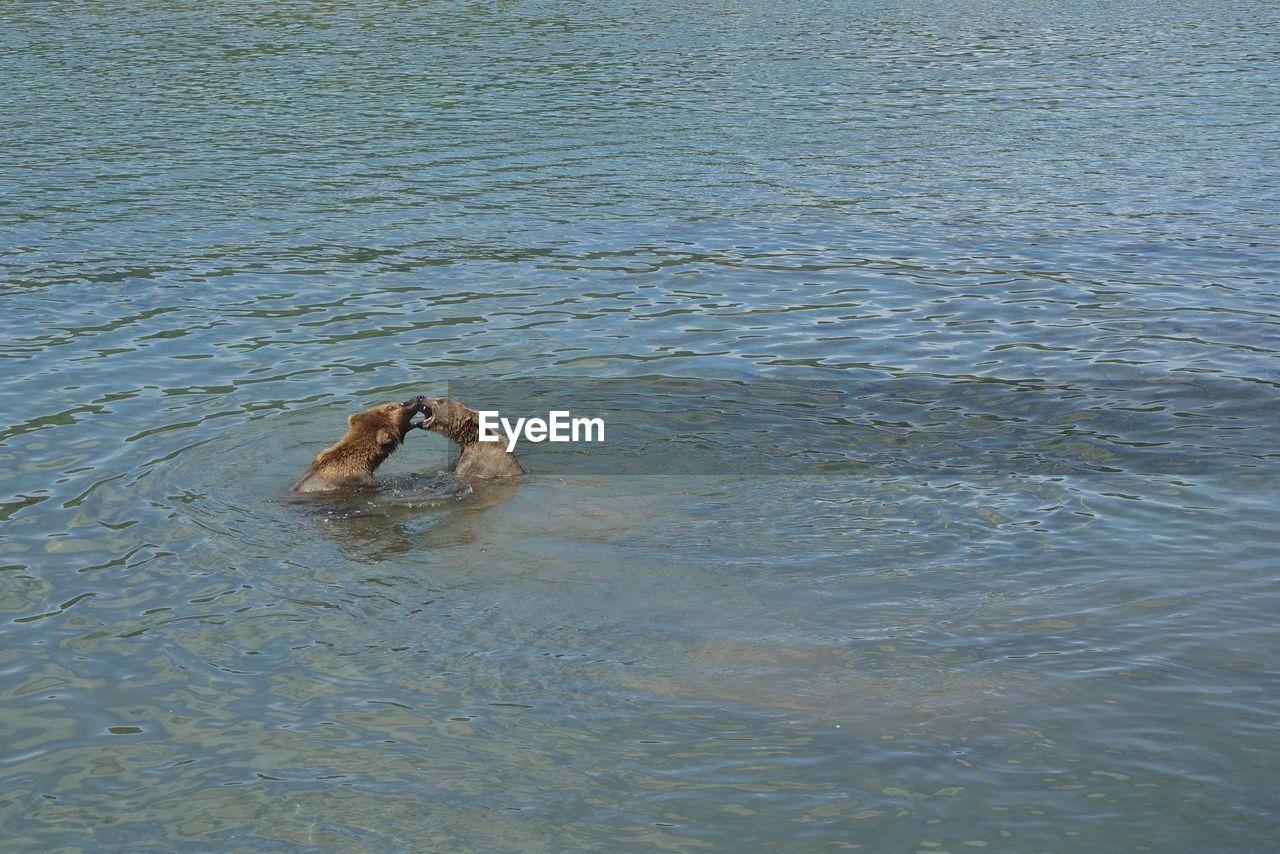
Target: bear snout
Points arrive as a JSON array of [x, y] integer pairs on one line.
[[422, 404]]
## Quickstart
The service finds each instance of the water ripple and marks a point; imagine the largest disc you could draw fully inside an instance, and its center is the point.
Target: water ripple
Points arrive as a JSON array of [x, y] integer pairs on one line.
[[938, 352]]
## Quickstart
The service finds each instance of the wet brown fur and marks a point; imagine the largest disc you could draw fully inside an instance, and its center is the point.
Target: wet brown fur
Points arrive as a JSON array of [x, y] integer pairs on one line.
[[372, 436], [476, 460]]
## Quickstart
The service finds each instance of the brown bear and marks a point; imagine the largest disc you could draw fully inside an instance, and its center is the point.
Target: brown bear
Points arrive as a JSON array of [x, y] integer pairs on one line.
[[477, 460], [372, 436]]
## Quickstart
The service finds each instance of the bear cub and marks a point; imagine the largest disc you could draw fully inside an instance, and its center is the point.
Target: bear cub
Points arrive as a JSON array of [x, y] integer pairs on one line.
[[372, 436], [477, 460]]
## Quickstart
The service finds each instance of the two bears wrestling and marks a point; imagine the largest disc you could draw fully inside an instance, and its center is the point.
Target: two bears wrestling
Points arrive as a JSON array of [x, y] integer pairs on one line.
[[374, 435]]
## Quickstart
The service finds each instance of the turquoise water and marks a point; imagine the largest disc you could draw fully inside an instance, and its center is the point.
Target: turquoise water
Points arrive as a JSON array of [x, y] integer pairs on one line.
[[937, 346]]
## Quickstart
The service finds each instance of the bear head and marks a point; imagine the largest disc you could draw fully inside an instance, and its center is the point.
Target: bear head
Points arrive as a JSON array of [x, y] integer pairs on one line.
[[452, 419], [387, 424]]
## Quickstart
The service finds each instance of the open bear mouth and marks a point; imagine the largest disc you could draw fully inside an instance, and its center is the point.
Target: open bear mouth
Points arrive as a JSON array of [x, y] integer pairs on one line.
[[427, 415], [419, 404]]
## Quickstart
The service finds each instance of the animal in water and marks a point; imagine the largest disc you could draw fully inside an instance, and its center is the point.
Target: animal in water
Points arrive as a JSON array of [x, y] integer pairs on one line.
[[371, 437], [477, 460]]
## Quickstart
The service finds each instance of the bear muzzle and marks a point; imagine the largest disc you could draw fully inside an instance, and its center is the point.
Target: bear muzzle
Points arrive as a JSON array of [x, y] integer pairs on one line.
[[422, 404]]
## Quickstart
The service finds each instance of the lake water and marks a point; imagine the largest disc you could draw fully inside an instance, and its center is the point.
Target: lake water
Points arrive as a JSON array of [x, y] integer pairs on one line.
[[937, 346]]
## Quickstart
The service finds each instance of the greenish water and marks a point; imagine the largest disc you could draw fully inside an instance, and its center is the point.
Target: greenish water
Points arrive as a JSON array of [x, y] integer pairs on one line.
[[938, 350]]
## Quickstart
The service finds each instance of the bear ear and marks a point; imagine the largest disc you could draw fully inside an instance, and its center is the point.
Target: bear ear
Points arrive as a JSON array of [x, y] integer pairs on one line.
[[351, 419], [385, 437]]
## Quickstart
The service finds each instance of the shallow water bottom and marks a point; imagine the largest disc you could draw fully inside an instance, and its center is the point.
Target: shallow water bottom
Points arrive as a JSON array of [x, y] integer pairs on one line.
[[580, 662]]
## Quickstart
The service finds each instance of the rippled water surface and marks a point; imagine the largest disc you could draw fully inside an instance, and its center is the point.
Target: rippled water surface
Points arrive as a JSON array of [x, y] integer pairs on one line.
[[937, 345]]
